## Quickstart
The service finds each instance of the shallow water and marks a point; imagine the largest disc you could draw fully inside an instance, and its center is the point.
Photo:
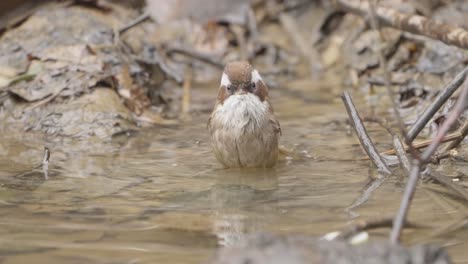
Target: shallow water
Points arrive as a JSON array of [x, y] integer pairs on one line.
[[161, 197]]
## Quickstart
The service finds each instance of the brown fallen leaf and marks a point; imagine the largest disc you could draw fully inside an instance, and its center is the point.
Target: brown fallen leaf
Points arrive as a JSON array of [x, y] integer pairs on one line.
[[135, 97]]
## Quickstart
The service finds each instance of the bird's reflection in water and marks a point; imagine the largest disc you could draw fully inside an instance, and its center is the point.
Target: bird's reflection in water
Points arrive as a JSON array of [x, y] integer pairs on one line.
[[241, 200]]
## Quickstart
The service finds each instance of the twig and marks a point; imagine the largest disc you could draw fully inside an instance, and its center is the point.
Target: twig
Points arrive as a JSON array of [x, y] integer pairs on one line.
[[186, 98], [458, 109], [360, 226], [419, 145], [45, 100], [401, 154], [463, 133], [444, 180], [364, 197], [195, 55], [443, 96], [425, 143], [419, 163], [400, 218], [44, 166], [45, 163], [134, 22], [440, 156], [446, 33], [364, 138]]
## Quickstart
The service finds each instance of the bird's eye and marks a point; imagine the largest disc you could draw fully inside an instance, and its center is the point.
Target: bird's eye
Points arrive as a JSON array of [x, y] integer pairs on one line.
[[253, 86], [229, 88]]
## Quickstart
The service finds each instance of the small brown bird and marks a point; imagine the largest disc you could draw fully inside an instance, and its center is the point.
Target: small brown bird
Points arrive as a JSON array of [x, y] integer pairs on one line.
[[243, 127]]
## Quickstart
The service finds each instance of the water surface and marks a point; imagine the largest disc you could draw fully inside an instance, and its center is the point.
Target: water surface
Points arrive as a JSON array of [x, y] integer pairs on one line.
[[161, 197]]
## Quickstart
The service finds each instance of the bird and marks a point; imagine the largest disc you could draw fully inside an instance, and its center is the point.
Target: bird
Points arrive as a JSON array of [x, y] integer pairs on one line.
[[243, 127]]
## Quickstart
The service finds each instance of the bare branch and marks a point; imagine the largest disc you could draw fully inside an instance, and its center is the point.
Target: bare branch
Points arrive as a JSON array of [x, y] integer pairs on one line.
[[401, 154], [460, 106], [364, 138], [420, 25], [400, 218], [463, 133], [443, 96]]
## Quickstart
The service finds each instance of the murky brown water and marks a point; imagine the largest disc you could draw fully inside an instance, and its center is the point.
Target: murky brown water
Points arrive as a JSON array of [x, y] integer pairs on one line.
[[161, 197]]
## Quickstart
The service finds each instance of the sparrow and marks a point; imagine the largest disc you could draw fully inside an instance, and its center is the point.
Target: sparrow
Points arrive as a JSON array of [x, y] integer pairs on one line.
[[243, 127]]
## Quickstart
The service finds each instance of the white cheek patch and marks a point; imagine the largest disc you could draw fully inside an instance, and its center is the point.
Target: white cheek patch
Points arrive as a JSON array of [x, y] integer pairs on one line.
[[256, 76], [225, 80]]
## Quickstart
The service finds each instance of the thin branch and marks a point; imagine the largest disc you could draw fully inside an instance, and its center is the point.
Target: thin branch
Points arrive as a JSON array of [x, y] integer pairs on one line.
[[134, 22], [463, 133], [425, 143], [364, 138], [400, 218], [458, 109], [365, 194], [360, 226], [410, 189], [401, 154], [420, 25], [443, 96], [195, 55]]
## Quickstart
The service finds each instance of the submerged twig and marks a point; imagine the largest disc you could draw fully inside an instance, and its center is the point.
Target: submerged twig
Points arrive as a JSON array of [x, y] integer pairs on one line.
[[360, 226], [364, 197], [45, 163], [447, 182], [364, 138]]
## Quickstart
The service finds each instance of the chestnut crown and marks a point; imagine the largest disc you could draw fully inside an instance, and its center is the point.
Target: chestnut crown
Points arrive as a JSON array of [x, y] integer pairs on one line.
[[240, 77]]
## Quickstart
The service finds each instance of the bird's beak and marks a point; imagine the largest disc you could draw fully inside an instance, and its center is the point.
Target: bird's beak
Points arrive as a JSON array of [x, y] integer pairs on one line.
[[241, 91]]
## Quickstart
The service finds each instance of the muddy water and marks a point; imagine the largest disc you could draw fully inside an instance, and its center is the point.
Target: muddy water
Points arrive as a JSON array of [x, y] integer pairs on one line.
[[161, 197]]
